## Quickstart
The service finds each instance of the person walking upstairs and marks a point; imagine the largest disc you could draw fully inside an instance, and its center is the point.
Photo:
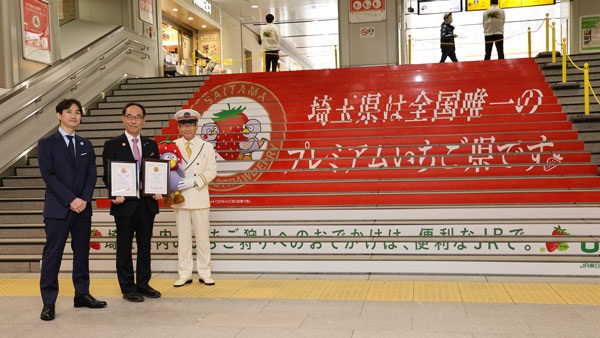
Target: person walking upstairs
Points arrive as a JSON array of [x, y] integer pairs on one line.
[[270, 40], [447, 39], [493, 29]]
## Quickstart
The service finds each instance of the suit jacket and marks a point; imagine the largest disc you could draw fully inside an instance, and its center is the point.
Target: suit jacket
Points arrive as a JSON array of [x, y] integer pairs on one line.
[[202, 166], [64, 179], [118, 149]]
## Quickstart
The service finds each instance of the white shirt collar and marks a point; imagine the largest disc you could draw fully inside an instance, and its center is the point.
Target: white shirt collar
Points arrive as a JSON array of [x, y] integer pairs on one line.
[[129, 138], [64, 133]]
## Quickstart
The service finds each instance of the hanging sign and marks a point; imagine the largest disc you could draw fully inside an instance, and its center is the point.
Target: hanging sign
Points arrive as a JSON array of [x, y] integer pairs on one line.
[[590, 33], [147, 11], [36, 31], [439, 6], [367, 11], [480, 5]]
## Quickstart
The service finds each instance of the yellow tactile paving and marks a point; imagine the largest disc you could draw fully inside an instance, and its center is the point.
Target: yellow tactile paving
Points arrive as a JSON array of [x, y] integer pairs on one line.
[[260, 289], [391, 290], [483, 292], [221, 289], [303, 289], [480, 292], [346, 290], [588, 294], [437, 292], [539, 293]]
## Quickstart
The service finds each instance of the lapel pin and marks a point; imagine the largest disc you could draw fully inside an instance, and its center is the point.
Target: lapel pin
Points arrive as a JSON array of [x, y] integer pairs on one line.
[[81, 143], [123, 144]]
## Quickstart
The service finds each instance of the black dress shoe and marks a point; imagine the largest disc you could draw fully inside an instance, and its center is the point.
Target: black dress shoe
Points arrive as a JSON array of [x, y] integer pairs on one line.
[[47, 312], [133, 297], [88, 301], [149, 292]]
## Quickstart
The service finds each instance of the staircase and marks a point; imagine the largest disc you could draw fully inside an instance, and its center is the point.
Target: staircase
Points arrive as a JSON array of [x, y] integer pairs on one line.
[[572, 99], [468, 168]]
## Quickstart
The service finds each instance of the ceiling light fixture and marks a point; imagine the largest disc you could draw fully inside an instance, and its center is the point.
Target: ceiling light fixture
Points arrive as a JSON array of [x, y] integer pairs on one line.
[[175, 9], [191, 18], [254, 6], [203, 26]]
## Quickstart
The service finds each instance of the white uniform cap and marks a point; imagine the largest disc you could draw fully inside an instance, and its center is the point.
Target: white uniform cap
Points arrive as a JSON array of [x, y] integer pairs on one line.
[[186, 115]]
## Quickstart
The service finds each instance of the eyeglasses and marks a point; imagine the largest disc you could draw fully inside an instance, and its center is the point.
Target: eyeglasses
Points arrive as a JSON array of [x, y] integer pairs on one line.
[[134, 117]]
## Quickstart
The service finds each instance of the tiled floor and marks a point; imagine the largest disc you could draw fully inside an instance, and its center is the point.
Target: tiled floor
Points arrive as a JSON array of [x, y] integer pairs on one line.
[[315, 306]]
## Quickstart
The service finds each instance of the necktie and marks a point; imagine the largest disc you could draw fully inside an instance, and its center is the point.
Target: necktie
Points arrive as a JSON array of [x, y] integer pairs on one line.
[[188, 150], [136, 151], [71, 148]]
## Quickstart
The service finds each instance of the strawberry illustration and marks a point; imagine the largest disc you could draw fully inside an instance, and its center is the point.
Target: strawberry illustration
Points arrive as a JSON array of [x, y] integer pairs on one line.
[[561, 246], [95, 233], [230, 122]]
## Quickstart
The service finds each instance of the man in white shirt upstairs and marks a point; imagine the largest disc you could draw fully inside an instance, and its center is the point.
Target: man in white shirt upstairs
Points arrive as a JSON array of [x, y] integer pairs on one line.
[[493, 29], [270, 39]]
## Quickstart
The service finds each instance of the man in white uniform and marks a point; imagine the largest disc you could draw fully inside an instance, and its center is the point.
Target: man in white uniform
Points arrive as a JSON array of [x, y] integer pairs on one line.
[[270, 39], [191, 216]]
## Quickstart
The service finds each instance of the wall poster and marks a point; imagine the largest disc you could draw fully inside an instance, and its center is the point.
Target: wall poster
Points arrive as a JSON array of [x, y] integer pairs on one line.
[[367, 11], [147, 11], [37, 44], [590, 33]]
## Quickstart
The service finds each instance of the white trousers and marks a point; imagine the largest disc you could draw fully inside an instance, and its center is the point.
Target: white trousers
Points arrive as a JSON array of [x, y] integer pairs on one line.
[[193, 221]]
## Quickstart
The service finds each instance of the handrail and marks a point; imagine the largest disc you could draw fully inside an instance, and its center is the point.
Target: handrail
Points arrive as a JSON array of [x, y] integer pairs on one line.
[[40, 75], [74, 75], [73, 87]]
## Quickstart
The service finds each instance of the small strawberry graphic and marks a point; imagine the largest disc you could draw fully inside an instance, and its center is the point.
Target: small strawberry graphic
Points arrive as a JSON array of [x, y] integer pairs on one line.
[[95, 233], [561, 246], [230, 122]]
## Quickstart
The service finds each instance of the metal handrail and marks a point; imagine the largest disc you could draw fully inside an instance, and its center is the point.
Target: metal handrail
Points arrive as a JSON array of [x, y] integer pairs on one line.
[[73, 87], [74, 75]]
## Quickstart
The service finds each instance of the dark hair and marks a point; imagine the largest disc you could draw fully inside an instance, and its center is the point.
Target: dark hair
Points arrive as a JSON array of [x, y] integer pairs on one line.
[[493, 2], [190, 121], [134, 104], [447, 15], [66, 104], [270, 18]]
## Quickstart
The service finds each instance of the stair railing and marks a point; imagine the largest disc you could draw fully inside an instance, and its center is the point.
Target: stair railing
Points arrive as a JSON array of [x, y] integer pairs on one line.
[[587, 86]]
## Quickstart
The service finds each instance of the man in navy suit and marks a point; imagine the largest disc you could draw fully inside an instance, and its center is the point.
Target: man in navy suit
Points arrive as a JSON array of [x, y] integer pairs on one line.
[[133, 215], [68, 167]]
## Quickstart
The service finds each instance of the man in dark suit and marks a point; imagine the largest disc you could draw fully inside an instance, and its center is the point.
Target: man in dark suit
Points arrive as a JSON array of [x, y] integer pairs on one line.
[[133, 215], [68, 167]]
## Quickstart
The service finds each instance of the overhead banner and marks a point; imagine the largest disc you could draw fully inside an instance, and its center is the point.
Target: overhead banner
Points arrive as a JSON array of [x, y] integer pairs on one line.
[[590, 33], [479, 5], [367, 11], [36, 31], [438, 6]]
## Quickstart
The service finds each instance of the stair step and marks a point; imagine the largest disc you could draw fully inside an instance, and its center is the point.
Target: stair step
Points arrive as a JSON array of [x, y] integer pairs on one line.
[[198, 78], [159, 85], [118, 111], [155, 103], [147, 97], [157, 91]]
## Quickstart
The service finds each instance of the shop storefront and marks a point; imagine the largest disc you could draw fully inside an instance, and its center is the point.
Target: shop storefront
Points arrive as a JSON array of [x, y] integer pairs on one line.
[[191, 37]]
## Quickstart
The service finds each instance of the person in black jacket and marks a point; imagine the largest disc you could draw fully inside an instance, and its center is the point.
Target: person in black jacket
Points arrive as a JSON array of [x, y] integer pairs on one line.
[[68, 167], [447, 39], [133, 215]]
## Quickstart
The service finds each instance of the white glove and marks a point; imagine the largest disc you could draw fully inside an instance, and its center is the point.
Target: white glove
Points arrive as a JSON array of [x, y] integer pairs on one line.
[[186, 183]]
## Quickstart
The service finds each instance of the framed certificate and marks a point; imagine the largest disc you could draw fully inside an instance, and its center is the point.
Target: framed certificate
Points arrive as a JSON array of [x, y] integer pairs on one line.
[[155, 179], [123, 179]]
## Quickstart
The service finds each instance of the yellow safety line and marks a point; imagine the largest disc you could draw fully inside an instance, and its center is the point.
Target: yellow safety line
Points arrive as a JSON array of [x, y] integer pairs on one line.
[[417, 291]]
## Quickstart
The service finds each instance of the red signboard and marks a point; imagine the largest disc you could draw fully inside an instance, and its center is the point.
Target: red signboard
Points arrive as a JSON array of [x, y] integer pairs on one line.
[[36, 31]]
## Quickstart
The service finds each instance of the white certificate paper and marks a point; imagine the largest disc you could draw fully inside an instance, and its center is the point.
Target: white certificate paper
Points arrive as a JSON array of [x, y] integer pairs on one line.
[[123, 179], [156, 177]]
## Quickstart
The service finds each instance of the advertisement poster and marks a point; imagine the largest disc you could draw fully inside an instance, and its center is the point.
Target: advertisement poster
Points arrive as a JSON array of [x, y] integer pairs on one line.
[[590, 33], [147, 11], [439, 6], [208, 47], [367, 11], [36, 31]]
